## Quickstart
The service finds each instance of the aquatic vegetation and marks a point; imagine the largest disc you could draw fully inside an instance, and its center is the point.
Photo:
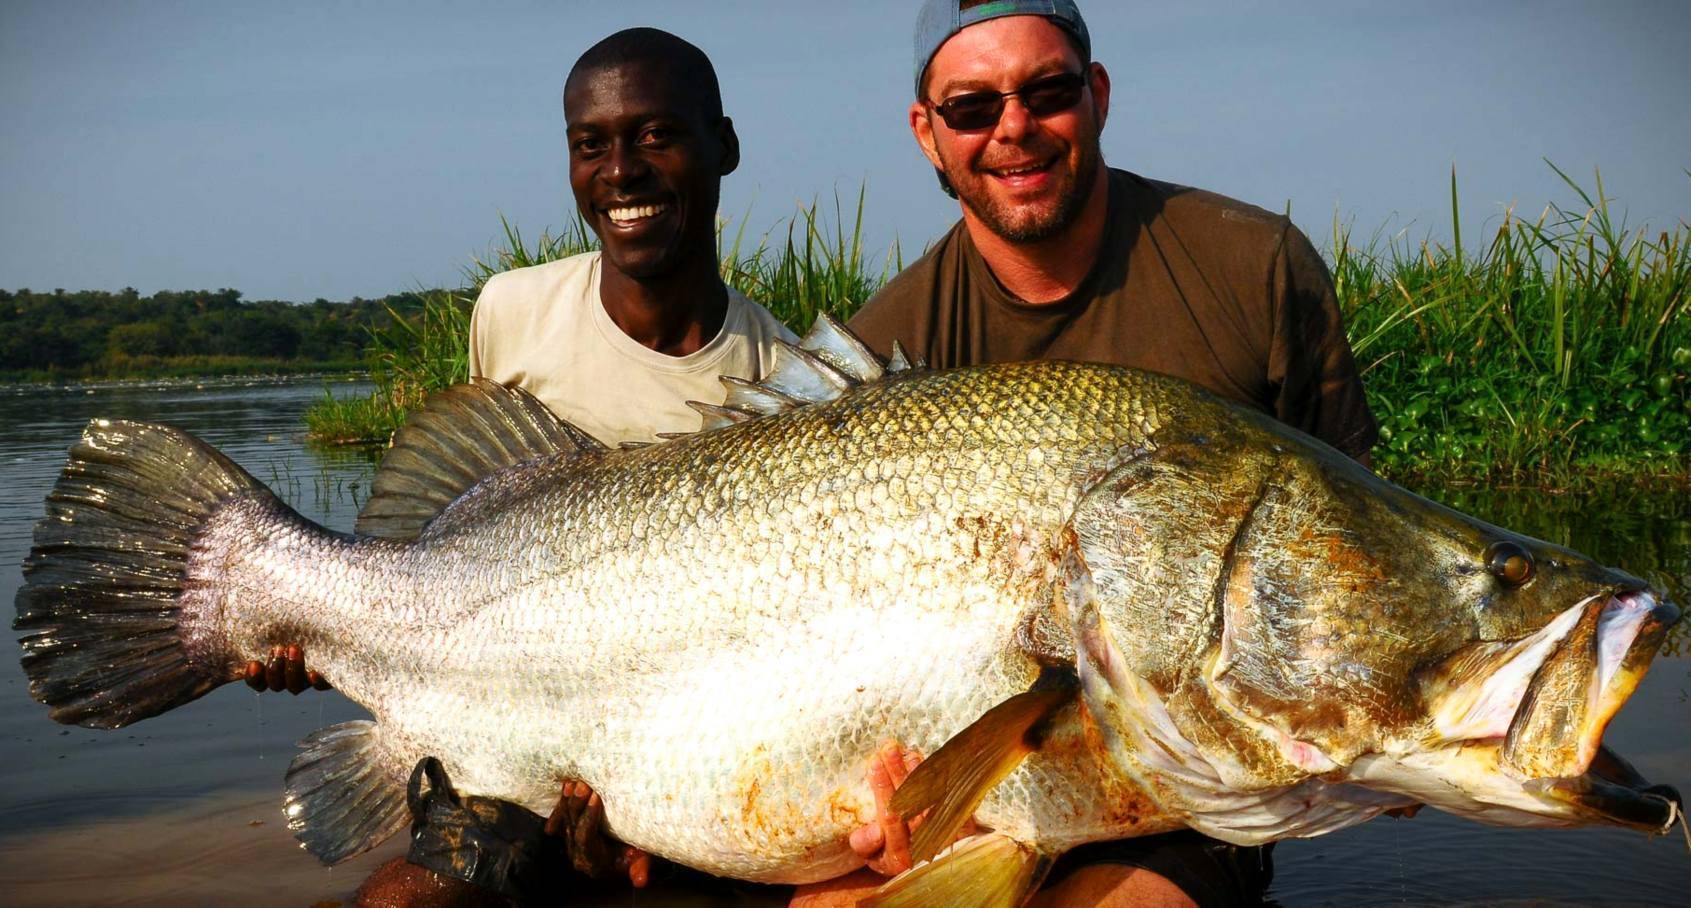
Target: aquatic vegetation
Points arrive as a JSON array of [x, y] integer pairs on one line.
[[1560, 351]]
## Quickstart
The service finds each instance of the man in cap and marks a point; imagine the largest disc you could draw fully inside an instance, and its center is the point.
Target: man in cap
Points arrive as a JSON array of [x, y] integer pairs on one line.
[[1059, 256]]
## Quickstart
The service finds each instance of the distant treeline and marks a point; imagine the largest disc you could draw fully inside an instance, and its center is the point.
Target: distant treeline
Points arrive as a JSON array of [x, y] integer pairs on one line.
[[100, 334]]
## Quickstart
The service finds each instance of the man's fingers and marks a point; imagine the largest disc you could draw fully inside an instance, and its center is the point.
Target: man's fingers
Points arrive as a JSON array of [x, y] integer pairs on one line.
[[317, 681], [637, 864], [276, 672], [895, 851], [866, 841], [294, 671], [255, 675], [560, 819], [897, 767], [592, 819]]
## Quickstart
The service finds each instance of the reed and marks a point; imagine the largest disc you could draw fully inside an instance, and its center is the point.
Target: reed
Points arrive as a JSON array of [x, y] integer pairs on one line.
[[1558, 352]]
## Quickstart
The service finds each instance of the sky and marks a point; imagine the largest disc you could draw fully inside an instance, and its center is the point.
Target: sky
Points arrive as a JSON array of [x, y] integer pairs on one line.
[[314, 149]]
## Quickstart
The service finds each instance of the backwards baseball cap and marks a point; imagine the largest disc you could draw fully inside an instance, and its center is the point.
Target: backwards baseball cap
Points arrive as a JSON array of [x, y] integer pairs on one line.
[[940, 19]]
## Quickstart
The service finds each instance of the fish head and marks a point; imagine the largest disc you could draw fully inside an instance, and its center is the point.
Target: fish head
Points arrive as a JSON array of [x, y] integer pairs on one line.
[[1296, 616]]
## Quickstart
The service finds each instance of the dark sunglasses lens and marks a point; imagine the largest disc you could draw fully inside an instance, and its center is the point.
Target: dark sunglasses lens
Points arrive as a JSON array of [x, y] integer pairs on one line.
[[977, 110], [1042, 98], [1053, 95]]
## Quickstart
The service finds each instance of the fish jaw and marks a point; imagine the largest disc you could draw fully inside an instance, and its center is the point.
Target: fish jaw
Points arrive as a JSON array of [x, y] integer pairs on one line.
[[1582, 684], [1521, 743]]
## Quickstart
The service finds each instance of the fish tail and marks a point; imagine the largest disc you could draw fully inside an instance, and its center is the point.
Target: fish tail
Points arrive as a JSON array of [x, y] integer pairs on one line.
[[101, 608]]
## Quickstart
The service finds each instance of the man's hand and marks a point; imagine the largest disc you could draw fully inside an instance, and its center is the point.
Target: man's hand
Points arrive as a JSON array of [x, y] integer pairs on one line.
[[884, 842], [579, 819], [284, 671]]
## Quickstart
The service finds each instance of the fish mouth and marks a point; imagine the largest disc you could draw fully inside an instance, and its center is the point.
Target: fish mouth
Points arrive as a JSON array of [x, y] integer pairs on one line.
[[1554, 744]]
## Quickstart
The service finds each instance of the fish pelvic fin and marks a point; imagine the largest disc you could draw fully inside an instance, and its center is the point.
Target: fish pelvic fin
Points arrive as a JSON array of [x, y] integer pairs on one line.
[[344, 792], [953, 782], [101, 604], [829, 363], [984, 871], [457, 438]]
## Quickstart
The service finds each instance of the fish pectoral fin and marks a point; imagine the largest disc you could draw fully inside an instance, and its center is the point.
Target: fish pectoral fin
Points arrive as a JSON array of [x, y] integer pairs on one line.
[[990, 870], [345, 794], [952, 782], [459, 437]]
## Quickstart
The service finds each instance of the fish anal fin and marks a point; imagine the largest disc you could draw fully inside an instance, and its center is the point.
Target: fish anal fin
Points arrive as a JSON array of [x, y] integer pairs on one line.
[[952, 782], [985, 871], [457, 438], [345, 793]]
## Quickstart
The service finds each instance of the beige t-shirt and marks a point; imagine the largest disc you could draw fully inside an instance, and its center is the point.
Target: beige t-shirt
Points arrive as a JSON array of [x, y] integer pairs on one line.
[[544, 330]]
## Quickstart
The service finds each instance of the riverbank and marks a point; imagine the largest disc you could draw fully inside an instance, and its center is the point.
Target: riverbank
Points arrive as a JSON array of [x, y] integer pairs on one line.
[[155, 368], [1555, 355]]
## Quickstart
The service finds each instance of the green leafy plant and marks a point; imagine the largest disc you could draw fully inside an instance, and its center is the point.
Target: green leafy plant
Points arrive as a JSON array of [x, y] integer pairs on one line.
[[1559, 352]]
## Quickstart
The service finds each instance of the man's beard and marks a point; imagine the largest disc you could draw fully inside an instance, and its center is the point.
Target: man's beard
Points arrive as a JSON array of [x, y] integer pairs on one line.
[[1025, 224]]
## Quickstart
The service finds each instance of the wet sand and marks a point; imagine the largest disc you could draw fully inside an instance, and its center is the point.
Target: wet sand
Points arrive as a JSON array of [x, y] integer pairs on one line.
[[229, 849]]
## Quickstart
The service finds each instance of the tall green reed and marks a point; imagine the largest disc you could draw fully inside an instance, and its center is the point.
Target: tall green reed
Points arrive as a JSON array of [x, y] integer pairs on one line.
[[1560, 349]]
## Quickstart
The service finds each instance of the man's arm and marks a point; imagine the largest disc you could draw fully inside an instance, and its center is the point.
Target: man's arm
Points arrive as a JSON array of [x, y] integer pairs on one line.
[[1310, 359]]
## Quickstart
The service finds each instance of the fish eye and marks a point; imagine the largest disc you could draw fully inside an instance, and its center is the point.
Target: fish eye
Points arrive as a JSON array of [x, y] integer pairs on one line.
[[1510, 563]]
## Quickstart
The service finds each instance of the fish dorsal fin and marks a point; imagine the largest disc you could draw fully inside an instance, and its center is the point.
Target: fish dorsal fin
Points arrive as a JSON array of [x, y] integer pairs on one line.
[[827, 364], [459, 437]]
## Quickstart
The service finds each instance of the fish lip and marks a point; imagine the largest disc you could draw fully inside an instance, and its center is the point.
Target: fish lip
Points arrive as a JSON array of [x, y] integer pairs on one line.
[[1614, 792], [1603, 785]]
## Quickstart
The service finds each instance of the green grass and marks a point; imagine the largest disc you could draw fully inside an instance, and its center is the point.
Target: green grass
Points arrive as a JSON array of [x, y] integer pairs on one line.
[[1556, 354]]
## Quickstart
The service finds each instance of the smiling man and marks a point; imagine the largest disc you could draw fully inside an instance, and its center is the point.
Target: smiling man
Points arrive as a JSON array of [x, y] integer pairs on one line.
[[618, 341], [1059, 256]]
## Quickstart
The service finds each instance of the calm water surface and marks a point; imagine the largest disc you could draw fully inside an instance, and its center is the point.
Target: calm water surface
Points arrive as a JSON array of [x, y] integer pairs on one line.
[[185, 807]]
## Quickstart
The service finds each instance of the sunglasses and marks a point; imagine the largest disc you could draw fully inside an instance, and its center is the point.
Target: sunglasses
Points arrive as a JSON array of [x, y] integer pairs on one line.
[[1042, 98]]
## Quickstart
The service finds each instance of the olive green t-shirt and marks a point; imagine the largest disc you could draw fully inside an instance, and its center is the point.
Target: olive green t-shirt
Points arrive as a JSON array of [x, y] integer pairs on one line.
[[1188, 283]]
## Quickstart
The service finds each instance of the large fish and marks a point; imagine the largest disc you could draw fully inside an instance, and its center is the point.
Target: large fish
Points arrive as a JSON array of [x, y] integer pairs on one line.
[[1104, 602]]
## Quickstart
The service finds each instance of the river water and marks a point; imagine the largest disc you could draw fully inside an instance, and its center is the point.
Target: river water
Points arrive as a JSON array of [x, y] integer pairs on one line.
[[184, 808]]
